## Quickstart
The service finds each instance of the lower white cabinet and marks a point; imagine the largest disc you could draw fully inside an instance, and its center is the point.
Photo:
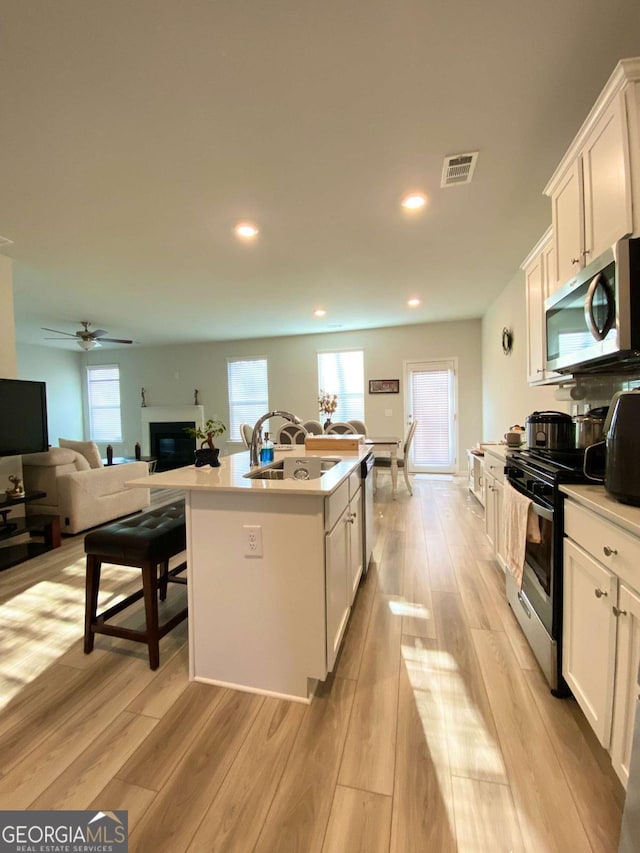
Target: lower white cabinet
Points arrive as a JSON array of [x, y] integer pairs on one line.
[[601, 627], [476, 479], [343, 562], [336, 575], [625, 694], [493, 487], [589, 636]]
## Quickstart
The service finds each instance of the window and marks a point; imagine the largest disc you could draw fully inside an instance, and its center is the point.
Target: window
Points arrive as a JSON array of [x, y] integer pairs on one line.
[[103, 392], [342, 373], [248, 392]]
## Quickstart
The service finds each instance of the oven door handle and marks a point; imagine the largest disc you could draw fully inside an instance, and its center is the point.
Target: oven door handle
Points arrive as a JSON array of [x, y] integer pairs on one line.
[[542, 511]]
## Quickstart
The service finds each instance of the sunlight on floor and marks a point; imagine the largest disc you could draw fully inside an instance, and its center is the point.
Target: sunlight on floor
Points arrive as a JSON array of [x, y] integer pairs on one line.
[[407, 608], [476, 751], [56, 609]]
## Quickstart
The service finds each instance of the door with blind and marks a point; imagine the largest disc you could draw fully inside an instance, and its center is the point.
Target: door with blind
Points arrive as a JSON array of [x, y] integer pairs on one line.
[[431, 400]]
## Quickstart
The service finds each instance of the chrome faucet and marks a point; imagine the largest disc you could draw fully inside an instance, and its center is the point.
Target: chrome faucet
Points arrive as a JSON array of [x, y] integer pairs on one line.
[[257, 432]]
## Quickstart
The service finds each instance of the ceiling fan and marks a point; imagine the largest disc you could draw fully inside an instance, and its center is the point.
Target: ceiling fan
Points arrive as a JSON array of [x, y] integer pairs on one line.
[[86, 338]]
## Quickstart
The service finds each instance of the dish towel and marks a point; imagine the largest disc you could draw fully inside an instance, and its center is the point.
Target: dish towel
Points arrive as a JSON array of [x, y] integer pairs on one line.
[[519, 525]]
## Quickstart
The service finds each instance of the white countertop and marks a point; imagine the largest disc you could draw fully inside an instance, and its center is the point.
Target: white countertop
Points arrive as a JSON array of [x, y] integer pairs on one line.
[[229, 477], [499, 450], [597, 499]]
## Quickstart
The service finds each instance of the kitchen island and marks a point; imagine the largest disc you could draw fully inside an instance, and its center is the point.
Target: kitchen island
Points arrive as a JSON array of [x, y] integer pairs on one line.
[[273, 567]]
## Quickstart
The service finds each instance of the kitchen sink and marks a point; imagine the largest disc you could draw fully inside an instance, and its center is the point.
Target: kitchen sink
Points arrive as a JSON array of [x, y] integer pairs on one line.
[[276, 470]]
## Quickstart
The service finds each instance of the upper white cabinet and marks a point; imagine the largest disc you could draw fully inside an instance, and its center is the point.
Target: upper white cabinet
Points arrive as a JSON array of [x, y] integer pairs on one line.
[[594, 188], [540, 282]]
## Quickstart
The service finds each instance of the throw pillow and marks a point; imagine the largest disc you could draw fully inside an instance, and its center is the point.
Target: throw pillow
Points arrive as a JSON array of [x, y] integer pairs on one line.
[[88, 449]]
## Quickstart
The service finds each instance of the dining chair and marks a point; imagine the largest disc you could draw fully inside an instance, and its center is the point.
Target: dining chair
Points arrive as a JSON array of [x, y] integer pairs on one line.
[[403, 461], [340, 428], [246, 432], [314, 427], [359, 426], [291, 434]]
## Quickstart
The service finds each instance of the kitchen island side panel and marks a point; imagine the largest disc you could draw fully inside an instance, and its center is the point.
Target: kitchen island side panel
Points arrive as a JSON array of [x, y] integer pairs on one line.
[[257, 622]]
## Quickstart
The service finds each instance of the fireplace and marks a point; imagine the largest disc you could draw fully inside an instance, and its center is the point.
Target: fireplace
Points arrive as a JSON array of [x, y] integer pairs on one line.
[[170, 445]]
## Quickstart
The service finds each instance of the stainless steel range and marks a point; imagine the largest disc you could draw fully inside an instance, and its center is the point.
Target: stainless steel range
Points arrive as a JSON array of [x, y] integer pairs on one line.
[[537, 606]]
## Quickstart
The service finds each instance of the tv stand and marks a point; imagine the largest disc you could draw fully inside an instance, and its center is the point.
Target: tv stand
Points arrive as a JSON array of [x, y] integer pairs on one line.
[[46, 527]]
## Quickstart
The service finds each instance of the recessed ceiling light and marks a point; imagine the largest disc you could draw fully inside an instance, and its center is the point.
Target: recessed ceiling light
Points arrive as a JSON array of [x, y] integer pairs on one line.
[[319, 312], [414, 201], [246, 231], [413, 303]]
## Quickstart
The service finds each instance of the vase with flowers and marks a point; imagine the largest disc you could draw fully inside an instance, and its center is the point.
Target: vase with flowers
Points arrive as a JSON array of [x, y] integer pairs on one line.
[[327, 404]]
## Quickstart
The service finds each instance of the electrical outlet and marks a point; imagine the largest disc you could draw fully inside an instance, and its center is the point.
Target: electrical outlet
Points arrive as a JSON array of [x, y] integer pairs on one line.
[[252, 536]]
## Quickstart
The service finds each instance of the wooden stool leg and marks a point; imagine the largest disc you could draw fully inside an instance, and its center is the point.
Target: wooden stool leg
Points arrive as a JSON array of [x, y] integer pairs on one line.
[[91, 601], [164, 578], [150, 587]]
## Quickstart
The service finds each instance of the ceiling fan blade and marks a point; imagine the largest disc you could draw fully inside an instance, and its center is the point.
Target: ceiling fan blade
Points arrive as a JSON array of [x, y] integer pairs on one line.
[[98, 333], [54, 339], [115, 341], [57, 331]]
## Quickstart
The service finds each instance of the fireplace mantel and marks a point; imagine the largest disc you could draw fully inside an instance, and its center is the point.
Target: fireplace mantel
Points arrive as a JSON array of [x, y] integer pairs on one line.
[[167, 414]]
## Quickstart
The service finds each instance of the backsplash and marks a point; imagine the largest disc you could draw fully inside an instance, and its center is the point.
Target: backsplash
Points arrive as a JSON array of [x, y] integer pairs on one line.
[[587, 392]]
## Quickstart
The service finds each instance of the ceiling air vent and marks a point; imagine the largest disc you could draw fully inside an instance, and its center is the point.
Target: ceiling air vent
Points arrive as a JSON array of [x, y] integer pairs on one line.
[[5, 241], [458, 169]]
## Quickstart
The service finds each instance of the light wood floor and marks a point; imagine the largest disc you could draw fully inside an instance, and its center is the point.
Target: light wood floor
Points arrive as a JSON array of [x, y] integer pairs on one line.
[[436, 731]]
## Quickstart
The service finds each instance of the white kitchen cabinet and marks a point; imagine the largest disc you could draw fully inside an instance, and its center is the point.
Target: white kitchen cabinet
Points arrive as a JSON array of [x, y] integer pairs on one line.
[[596, 187], [606, 181], [493, 488], [551, 283], [589, 636], [336, 572], [343, 561], [476, 475], [538, 285], [625, 698], [601, 627]]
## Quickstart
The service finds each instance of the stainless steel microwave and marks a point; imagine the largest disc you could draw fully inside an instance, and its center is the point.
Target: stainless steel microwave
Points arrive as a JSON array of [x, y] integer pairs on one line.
[[592, 324]]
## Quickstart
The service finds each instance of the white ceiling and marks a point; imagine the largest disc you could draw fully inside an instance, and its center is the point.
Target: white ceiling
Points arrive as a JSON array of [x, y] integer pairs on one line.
[[134, 135]]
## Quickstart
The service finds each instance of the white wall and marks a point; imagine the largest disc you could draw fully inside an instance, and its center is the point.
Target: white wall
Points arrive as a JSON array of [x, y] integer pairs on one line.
[[8, 366], [507, 398], [170, 374], [62, 371]]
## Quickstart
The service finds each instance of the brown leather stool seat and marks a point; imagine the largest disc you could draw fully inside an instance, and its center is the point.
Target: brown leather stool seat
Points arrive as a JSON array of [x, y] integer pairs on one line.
[[144, 541]]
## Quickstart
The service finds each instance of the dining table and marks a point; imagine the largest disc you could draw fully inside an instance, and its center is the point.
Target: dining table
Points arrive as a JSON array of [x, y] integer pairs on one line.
[[387, 444]]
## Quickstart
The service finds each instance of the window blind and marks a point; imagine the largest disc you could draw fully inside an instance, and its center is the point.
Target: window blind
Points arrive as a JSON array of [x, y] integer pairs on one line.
[[432, 402], [103, 393], [342, 373], [248, 392]]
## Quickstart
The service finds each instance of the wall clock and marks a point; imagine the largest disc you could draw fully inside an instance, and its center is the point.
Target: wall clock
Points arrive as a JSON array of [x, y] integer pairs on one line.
[[507, 340]]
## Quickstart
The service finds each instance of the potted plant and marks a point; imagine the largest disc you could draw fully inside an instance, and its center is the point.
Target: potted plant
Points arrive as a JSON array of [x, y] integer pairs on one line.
[[327, 403], [208, 452]]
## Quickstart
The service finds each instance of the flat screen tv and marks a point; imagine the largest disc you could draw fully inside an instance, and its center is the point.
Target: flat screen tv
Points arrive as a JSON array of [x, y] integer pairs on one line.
[[23, 417]]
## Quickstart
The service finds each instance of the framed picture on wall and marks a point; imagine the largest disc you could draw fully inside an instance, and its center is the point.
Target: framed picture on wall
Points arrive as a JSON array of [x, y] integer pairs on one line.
[[384, 386]]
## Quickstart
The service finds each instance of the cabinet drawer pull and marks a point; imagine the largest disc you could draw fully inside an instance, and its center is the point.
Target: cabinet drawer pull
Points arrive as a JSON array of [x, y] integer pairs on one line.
[[585, 252], [618, 612], [609, 551], [599, 593], [575, 260]]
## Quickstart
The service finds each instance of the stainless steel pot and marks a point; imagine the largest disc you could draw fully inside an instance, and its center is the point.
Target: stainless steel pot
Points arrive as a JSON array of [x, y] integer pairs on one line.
[[550, 431], [589, 428]]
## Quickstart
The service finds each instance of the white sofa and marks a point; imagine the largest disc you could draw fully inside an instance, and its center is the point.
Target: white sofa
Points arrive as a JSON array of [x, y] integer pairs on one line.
[[82, 496]]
